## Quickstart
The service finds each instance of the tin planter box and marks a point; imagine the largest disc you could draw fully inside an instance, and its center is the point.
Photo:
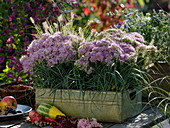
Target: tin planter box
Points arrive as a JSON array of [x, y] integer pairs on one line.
[[104, 106]]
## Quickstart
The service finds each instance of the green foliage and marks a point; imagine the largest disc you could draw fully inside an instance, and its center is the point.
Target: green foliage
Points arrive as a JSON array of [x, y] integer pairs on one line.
[[157, 90], [143, 3], [155, 27], [105, 78], [160, 98]]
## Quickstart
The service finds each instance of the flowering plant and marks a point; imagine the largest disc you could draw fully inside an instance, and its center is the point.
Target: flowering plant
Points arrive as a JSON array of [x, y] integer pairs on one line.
[[153, 26], [100, 15], [17, 30], [114, 44], [111, 60]]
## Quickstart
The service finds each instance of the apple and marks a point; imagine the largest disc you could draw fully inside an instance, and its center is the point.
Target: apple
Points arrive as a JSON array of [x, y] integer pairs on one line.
[[35, 116], [8, 101]]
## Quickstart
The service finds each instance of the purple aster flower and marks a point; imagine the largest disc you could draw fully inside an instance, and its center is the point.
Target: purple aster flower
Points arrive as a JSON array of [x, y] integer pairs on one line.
[[1, 49], [10, 40], [14, 8], [2, 58]]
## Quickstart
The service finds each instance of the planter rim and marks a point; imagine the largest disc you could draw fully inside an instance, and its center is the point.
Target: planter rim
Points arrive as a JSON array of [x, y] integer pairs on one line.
[[134, 89]]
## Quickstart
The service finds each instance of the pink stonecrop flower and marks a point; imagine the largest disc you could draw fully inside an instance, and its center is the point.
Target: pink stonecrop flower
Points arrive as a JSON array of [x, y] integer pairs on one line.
[[85, 123], [95, 124], [105, 50], [53, 49], [108, 47]]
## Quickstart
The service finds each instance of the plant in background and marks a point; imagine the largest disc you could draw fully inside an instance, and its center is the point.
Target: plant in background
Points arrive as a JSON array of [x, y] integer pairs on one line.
[[100, 15], [105, 61], [17, 31], [159, 98], [155, 28], [149, 5]]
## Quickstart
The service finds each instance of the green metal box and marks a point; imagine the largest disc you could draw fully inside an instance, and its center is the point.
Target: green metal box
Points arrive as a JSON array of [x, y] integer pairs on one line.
[[104, 106]]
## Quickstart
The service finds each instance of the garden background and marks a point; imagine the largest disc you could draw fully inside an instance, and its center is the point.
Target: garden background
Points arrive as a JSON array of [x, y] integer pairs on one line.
[[92, 46]]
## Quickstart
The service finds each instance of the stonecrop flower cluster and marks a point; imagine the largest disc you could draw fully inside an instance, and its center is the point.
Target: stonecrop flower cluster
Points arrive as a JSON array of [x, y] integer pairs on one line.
[[110, 45], [135, 39], [51, 49], [105, 51], [107, 47]]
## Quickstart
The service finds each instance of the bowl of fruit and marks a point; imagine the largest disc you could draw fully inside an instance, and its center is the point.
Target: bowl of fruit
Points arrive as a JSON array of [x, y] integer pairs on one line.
[[9, 108], [24, 93]]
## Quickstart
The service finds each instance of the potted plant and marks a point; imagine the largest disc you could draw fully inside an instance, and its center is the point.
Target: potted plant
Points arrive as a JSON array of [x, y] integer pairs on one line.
[[154, 27], [90, 76]]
